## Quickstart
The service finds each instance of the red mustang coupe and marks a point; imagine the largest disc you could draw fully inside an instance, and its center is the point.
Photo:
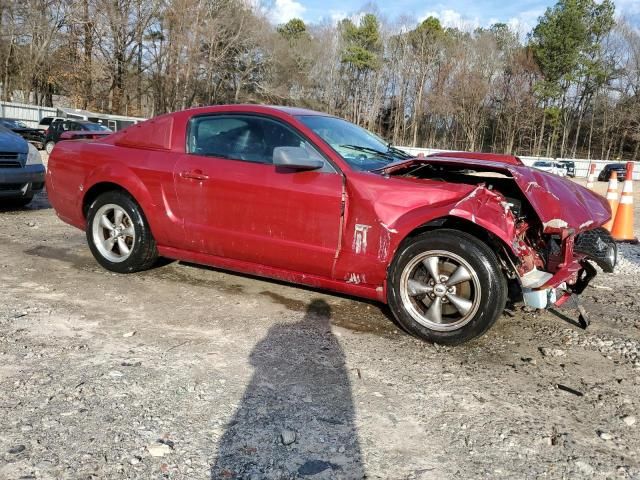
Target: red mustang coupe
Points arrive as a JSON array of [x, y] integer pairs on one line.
[[309, 198]]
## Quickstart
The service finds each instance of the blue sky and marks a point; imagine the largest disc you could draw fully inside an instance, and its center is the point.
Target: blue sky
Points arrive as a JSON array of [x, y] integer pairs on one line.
[[522, 15]]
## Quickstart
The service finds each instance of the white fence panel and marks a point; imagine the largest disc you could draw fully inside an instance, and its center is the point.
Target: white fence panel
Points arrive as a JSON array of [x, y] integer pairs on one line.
[[582, 165], [29, 114]]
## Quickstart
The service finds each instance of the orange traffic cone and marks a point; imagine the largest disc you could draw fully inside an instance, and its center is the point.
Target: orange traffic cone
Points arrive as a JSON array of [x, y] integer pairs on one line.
[[592, 175], [612, 198], [623, 224]]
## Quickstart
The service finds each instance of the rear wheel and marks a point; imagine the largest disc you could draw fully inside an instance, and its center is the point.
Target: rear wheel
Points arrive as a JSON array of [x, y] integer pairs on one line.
[[118, 234], [446, 286]]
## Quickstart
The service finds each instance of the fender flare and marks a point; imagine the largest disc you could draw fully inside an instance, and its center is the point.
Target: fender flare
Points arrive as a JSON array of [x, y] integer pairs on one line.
[[126, 179]]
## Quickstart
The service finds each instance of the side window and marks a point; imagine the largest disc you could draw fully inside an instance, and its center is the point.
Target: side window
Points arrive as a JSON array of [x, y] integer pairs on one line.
[[242, 137]]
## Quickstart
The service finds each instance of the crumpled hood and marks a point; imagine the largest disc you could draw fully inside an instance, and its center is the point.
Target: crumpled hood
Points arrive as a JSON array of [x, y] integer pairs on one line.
[[559, 202]]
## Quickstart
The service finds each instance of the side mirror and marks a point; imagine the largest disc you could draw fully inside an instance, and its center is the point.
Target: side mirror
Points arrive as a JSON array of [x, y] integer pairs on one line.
[[296, 158]]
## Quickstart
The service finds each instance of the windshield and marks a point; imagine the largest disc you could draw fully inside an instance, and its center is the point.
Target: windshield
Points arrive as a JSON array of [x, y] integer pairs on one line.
[[96, 127], [360, 148], [542, 164], [13, 123]]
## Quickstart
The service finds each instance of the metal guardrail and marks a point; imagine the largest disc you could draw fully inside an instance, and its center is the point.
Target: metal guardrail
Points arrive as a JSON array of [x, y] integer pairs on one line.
[[582, 165]]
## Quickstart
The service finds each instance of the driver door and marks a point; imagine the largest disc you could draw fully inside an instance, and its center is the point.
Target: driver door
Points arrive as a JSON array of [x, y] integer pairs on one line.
[[237, 204]]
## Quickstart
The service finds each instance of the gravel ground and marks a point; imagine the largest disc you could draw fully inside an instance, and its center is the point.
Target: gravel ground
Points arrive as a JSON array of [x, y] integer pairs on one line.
[[186, 372]]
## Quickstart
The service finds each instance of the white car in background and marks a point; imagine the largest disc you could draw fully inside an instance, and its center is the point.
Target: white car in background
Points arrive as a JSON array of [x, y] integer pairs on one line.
[[551, 167]]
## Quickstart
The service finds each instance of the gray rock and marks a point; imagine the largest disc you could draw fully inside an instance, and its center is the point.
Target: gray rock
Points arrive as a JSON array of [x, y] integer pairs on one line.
[[584, 467], [605, 436], [287, 437], [17, 449], [313, 467], [158, 450], [552, 352]]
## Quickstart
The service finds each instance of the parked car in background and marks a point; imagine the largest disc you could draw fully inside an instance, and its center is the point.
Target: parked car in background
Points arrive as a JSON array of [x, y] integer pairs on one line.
[[57, 128], [22, 173], [551, 167], [619, 168], [309, 198], [570, 167], [31, 135], [46, 122]]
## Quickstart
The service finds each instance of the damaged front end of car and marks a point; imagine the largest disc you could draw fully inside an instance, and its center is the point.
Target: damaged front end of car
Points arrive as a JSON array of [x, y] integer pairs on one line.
[[549, 228], [558, 263]]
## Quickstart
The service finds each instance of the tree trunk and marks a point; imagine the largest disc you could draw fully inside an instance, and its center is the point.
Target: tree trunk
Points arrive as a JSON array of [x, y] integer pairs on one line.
[[417, 111], [88, 55], [542, 127]]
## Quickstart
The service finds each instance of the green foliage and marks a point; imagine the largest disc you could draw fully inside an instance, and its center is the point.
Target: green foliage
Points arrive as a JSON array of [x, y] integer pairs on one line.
[[505, 38], [558, 39], [363, 43], [426, 34], [293, 30], [567, 40]]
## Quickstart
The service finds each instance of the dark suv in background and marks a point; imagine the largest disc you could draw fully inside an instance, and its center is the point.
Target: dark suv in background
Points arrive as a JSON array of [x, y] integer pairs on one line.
[[619, 168], [21, 169], [57, 128]]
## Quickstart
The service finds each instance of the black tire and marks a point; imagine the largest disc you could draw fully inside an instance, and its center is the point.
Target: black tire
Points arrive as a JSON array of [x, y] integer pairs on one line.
[[143, 253], [488, 288]]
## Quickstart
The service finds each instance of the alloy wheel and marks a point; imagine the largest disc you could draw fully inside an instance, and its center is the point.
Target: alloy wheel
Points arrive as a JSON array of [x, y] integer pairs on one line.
[[440, 290], [113, 233]]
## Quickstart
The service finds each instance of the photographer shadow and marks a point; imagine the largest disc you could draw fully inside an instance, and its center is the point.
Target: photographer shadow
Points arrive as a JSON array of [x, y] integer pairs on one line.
[[296, 418]]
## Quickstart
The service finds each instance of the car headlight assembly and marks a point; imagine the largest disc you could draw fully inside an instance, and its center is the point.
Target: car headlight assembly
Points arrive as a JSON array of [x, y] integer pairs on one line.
[[33, 157]]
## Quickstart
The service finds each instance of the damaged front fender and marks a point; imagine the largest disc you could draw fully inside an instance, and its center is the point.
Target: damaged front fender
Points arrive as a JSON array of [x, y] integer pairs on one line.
[[483, 207]]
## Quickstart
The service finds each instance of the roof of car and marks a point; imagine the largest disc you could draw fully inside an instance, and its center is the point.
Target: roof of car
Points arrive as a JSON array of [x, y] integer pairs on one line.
[[259, 108], [297, 110]]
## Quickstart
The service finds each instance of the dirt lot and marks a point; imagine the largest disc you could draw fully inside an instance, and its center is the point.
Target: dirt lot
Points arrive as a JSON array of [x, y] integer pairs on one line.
[[188, 372]]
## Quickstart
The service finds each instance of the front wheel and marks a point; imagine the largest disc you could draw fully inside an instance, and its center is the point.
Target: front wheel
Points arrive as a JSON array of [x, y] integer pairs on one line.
[[446, 286], [118, 234], [48, 147]]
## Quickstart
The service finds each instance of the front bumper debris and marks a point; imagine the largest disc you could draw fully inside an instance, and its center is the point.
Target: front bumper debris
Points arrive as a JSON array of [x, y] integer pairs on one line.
[[599, 246], [572, 269]]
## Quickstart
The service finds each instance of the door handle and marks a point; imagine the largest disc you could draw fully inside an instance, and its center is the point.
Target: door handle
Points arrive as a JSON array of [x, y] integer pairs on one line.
[[194, 175]]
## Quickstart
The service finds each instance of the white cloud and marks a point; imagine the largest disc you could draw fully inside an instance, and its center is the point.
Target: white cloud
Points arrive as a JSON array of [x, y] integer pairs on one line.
[[284, 10], [453, 19], [338, 15], [522, 23]]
